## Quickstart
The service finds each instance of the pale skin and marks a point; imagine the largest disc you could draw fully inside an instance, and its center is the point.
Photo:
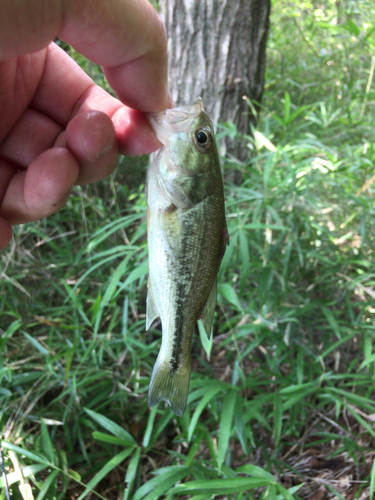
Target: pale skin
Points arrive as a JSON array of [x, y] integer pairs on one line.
[[57, 128]]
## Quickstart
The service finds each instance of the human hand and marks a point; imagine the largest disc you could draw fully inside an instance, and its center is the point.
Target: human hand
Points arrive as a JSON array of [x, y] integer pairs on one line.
[[57, 127]]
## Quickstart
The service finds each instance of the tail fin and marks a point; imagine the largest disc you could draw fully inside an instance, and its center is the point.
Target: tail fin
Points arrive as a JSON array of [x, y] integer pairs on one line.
[[169, 385]]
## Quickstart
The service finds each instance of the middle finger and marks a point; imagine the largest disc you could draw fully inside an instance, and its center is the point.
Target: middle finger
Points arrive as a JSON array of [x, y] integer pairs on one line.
[[33, 133]]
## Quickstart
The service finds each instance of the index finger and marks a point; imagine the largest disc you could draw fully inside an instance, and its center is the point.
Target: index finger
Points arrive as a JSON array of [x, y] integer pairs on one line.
[[128, 39]]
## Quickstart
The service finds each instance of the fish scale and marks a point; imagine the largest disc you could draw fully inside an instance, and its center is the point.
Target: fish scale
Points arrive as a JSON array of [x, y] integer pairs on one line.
[[186, 237]]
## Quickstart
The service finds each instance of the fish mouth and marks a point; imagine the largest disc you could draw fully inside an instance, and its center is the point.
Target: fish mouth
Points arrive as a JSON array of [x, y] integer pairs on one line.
[[175, 120]]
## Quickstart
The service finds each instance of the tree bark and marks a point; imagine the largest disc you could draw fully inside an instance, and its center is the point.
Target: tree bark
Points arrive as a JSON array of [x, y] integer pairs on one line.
[[217, 50]]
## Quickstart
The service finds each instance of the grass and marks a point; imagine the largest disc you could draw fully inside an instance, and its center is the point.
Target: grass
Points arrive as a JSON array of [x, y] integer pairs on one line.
[[282, 399]]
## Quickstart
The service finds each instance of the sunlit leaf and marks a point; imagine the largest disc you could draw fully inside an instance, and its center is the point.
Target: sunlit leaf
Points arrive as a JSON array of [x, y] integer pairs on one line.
[[111, 426], [34, 456], [220, 486], [229, 293], [207, 343]]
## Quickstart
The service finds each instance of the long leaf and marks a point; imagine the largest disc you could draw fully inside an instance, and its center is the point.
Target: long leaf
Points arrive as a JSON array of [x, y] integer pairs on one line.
[[47, 443], [47, 484], [229, 293], [372, 481], [108, 438], [166, 477], [255, 471], [277, 420], [225, 426], [114, 462], [111, 426], [131, 473], [220, 486], [201, 405], [36, 457]]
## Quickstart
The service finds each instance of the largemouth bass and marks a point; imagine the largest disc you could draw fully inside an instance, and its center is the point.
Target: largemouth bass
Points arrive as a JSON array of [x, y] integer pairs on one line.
[[187, 236]]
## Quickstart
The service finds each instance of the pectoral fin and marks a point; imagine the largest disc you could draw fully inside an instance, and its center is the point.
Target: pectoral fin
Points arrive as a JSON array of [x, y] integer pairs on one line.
[[208, 311], [151, 310], [185, 191]]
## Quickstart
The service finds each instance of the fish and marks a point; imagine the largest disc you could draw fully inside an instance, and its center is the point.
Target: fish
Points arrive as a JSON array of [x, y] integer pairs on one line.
[[187, 237]]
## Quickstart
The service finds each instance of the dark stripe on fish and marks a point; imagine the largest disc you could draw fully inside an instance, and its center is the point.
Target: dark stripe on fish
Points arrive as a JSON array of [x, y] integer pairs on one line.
[[183, 278], [178, 332]]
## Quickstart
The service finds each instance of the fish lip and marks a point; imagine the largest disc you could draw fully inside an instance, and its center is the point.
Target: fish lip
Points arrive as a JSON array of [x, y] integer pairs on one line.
[[174, 120]]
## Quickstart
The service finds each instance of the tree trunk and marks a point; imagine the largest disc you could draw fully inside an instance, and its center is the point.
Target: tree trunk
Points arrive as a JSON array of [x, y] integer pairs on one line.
[[217, 50]]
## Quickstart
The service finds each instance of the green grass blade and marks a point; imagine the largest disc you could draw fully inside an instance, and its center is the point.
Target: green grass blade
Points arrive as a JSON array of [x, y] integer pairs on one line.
[[286, 109], [200, 407], [225, 426], [166, 477], [336, 493], [150, 426], [158, 429], [284, 492], [240, 423], [229, 294], [199, 497], [278, 418], [108, 438], [110, 465], [36, 457], [111, 426], [332, 321], [47, 443], [220, 486], [372, 481], [131, 473], [255, 471], [47, 485], [135, 274], [207, 343], [36, 344]]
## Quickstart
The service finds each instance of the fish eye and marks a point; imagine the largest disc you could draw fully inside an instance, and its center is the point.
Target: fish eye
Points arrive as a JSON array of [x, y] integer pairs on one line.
[[203, 139]]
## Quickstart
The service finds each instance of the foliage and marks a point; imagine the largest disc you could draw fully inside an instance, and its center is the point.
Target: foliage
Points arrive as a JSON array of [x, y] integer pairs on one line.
[[289, 389]]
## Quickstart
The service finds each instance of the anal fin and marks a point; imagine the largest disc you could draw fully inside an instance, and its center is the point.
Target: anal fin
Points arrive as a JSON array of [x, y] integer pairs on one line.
[[152, 311]]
